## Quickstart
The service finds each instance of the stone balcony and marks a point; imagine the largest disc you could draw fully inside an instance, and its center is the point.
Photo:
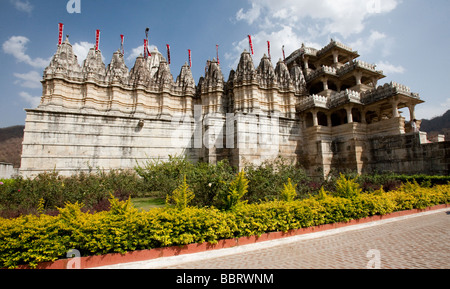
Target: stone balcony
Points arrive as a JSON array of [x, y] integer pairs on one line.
[[346, 96], [386, 91], [329, 102], [342, 70], [313, 101]]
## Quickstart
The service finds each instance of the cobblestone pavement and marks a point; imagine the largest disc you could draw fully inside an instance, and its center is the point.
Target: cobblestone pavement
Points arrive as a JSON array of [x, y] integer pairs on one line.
[[416, 243]]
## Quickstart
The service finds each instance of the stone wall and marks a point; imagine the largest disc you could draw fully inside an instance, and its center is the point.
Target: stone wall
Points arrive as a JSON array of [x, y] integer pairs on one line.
[[70, 142], [7, 171], [408, 154]]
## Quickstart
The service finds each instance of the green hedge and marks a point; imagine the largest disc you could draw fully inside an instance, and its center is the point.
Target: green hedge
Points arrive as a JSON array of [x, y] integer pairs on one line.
[[22, 196], [157, 178], [34, 239]]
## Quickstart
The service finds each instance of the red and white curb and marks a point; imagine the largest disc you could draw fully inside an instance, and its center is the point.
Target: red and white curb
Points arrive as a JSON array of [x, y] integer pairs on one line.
[[347, 227]]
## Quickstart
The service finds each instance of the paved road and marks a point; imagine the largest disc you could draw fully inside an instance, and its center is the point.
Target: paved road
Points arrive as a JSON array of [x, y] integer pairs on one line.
[[418, 242]]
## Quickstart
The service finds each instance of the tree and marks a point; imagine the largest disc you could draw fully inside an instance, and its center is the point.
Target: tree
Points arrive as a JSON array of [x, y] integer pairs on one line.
[[237, 189], [289, 192], [181, 196]]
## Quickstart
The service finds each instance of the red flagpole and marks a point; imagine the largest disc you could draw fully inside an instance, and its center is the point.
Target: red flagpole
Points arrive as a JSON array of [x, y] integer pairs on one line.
[[268, 49], [145, 48], [217, 50], [97, 40], [190, 59], [146, 51], [121, 44], [61, 28], [251, 44], [168, 53]]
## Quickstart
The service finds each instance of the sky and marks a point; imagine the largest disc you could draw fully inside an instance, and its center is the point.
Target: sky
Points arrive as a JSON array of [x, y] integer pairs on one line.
[[408, 39]]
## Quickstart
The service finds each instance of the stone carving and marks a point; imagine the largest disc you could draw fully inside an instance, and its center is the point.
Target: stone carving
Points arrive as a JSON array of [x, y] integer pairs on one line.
[[185, 82], [117, 71], [283, 77], [64, 63], [298, 79], [140, 73], [93, 67], [213, 76], [266, 73], [245, 71], [125, 115], [163, 77]]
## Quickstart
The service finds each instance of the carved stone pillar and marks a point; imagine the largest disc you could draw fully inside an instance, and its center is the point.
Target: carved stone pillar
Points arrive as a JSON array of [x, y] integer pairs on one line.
[[335, 57], [412, 112], [358, 77], [395, 113], [349, 114], [363, 116], [315, 118], [305, 63], [329, 120], [325, 83]]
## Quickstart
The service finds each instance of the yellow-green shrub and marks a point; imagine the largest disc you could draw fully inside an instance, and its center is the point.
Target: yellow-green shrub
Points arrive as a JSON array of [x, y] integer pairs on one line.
[[289, 191], [34, 239]]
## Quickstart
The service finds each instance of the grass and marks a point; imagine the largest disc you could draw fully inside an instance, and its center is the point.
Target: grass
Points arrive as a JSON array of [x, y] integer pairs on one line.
[[147, 204]]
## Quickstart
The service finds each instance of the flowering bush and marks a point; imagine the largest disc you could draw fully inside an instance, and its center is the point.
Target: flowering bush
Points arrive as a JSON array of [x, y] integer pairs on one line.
[[48, 191], [33, 239]]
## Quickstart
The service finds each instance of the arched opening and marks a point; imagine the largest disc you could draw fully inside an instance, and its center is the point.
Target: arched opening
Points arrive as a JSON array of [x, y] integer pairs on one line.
[[371, 117], [356, 115], [345, 86], [322, 118], [309, 119], [316, 88], [332, 86], [339, 117], [365, 80], [400, 106]]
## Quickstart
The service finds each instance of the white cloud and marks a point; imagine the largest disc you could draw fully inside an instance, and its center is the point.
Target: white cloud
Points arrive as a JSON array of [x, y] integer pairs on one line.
[[389, 68], [33, 101], [375, 41], [16, 46], [286, 36], [31, 79], [429, 110], [293, 22], [251, 15], [135, 52], [23, 6], [366, 45], [81, 50], [344, 17]]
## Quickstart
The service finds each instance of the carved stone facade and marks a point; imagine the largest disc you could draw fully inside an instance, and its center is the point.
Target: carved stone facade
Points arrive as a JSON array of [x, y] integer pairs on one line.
[[320, 108]]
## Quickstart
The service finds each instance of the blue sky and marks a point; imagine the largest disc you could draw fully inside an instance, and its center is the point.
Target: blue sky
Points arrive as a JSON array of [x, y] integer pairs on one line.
[[408, 39]]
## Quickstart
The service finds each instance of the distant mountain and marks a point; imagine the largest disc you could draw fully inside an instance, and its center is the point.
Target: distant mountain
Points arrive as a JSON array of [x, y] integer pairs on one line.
[[11, 144], [437, 125]]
